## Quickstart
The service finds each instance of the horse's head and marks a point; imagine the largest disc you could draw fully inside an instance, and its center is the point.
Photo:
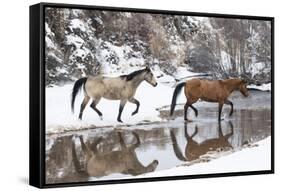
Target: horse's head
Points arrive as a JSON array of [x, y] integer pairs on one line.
[[149, 77], [243, 88]]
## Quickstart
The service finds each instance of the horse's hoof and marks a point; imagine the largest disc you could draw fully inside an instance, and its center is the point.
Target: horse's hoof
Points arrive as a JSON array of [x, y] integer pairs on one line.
[[188, 120], [134, 113], [119, 120], [101, 118]]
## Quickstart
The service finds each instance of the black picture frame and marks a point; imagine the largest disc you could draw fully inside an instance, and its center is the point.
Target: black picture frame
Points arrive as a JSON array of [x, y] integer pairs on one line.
[[37, 95]]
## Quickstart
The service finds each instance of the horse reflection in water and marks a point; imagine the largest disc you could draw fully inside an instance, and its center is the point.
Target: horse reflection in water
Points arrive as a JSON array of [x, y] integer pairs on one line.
[[194, 150], [123, 161]]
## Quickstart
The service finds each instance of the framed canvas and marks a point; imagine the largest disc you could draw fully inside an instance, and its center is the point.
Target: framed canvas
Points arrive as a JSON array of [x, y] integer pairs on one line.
[[123, 95]]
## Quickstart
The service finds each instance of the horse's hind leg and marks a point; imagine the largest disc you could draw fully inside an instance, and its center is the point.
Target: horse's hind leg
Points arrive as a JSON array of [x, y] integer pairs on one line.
[[83, 105], [133, 100], [194, 109], [85, 148], [187, 104], [138, 139], [185, 111], [93, 106], [231, 105], [94, 145], [76, 162]]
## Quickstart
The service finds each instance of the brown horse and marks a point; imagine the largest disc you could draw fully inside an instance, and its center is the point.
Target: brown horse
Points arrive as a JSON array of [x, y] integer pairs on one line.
[[210, 91]]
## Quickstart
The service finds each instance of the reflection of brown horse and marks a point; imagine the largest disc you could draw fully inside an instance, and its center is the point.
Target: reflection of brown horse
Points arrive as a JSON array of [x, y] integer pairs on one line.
[[123, 161], [194, 150], [210, 91]]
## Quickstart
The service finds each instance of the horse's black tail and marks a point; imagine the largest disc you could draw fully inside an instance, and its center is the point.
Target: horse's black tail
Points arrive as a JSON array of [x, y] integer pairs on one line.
[[175, 95], [77, 86]]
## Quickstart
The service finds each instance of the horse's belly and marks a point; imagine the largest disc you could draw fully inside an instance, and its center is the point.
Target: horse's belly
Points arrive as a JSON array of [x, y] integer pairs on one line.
[[209, 99], [112, 95]]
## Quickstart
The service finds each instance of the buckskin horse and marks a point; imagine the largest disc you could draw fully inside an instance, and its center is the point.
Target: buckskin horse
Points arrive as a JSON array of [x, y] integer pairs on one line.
[[121, 88], [210, 91]]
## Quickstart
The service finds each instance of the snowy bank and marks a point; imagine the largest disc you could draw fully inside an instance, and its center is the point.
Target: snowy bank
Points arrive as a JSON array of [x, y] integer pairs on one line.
[[263, 87], [256, 157]]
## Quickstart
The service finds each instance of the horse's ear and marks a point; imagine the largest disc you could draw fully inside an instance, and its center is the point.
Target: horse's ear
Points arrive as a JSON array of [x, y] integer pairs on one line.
[[147, 68], [244, 81]]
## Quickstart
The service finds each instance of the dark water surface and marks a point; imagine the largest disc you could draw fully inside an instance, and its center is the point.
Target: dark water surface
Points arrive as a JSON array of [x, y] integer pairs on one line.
[[109, 153]]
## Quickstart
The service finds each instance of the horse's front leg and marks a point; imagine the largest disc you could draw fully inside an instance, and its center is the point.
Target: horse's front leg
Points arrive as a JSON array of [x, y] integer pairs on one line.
[[121, 107], [133, 100], [231, 105], [83, 105]]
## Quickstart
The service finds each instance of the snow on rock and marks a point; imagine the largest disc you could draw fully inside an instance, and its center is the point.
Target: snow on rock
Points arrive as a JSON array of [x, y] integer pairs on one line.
[[263, 87], [118, 59], [257, 68], [77, 23], [183, 73]]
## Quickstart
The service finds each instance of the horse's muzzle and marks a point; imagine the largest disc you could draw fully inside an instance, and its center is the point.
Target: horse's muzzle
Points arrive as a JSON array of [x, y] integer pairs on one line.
[[155, 84]]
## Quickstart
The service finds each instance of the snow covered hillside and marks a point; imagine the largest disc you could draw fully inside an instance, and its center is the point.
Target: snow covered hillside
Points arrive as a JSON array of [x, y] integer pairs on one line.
[[85, 42]]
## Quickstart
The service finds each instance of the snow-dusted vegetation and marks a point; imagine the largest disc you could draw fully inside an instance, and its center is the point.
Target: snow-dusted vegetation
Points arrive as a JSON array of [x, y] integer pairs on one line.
[[85, 42]]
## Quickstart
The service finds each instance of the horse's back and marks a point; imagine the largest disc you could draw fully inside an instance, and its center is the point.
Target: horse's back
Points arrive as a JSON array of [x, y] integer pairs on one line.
[[193, 88]]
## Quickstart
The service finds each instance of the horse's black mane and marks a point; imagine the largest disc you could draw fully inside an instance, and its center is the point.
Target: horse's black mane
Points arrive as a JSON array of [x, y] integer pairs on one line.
[[130, 76]]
